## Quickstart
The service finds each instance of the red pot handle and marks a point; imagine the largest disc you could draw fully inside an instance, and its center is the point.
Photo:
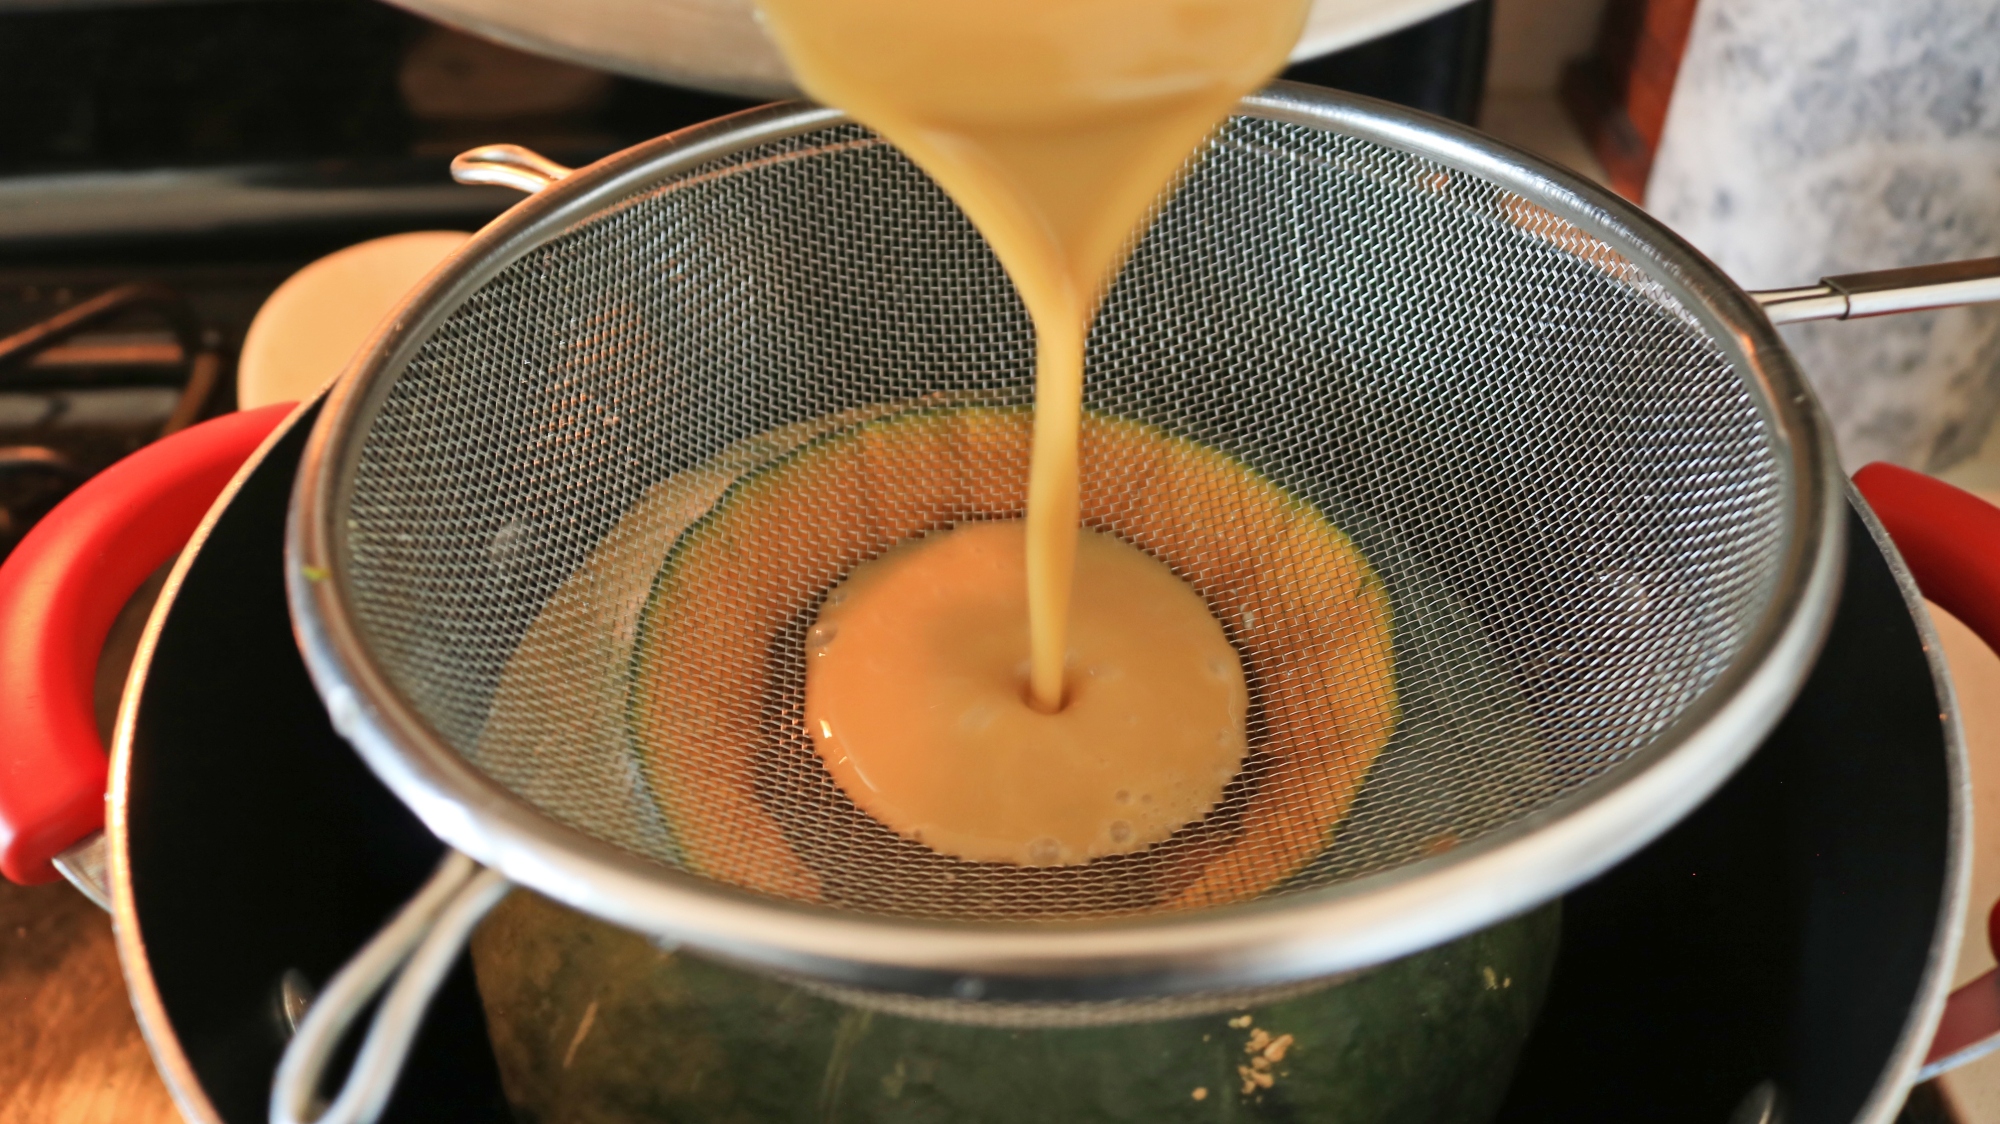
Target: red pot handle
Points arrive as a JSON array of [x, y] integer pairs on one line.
[[60, 591], [1950, 539]]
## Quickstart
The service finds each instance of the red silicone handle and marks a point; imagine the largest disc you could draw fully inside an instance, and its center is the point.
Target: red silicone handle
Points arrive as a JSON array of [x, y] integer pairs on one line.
[[1950, 539], [60, 591]]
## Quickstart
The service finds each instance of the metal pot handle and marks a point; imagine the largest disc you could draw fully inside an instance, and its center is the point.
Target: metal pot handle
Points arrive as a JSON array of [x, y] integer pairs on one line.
[[1950, 539], [1853, 295], [417, 948]]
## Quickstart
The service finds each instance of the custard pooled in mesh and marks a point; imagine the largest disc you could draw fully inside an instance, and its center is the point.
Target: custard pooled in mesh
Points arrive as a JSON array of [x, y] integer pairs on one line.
[[717, 704], [919, 700]]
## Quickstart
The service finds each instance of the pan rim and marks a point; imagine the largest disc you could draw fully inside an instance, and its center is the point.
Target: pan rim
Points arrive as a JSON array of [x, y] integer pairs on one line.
[[148, 1005]]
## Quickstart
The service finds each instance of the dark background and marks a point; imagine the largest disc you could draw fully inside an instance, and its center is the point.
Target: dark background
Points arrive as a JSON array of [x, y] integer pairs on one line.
[[352, 80], [213, 148]]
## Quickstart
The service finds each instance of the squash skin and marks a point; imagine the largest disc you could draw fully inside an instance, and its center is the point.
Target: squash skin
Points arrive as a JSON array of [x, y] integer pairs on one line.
[[595, 1025]]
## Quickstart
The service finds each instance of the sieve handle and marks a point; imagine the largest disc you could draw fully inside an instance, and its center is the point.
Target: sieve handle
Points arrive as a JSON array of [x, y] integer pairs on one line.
[[1853, 295], [1950, 540], [418, 948], [60, 590], [507, 165]]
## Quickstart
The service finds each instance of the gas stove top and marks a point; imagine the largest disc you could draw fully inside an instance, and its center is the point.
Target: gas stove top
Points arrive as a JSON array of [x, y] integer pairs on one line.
[[163, 167], [178, 161], [97, 361]]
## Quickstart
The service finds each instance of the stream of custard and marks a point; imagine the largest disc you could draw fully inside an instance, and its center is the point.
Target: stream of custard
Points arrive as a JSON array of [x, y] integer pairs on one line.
[[1056, 125]]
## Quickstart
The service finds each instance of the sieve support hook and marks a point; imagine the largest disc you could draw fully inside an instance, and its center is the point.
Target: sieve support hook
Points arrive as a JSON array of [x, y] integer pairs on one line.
[[507, 165], [418, 949], [1851, 296]]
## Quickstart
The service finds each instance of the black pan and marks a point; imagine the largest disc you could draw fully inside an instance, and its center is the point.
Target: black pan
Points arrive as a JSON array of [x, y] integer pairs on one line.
[[1793, 935]]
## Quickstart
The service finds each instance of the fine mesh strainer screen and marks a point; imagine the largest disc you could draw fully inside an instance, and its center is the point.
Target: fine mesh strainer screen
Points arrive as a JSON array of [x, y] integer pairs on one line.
[[1483, 509]]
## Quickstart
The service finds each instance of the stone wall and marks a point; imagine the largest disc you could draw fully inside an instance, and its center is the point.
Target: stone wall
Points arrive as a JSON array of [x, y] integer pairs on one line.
[[1815, 137]]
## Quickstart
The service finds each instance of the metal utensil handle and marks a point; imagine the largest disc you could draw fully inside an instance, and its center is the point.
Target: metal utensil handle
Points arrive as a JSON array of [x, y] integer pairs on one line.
[[507, 165], [1853, 295], [423, 942]]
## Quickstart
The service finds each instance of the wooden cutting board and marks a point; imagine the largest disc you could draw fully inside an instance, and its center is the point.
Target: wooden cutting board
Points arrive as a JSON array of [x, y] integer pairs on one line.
[[70, 1049]]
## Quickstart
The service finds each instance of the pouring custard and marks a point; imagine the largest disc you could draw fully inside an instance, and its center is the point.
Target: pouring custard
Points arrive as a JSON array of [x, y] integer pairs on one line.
[[1006, 691]]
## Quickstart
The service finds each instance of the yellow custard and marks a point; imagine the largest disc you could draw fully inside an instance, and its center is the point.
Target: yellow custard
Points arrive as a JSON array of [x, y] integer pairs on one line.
[[958, 705], [1055, 125], [1151, 729], [763, 543]]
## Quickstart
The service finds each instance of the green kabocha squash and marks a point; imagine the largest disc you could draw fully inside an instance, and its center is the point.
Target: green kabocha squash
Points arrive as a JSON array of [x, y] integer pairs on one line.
[[596, 1025]]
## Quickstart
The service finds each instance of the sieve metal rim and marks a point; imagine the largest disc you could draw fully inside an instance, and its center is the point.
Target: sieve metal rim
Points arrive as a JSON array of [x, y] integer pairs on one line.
[[1339, 928]]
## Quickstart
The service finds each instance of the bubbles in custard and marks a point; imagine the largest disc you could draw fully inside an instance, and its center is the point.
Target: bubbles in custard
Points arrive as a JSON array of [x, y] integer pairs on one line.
[[927, 725], [820, 636]]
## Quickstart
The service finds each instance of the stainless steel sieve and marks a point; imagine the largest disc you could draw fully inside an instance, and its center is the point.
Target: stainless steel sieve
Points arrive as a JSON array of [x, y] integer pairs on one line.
[[1594, 489]]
